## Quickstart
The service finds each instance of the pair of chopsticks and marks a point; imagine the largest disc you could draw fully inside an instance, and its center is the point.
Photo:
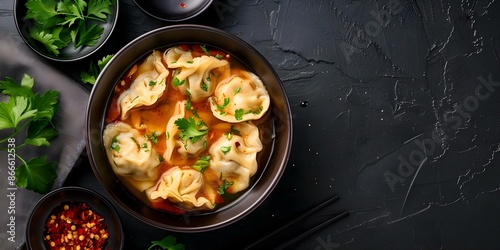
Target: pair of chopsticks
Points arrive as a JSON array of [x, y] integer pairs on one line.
[[305, 234]]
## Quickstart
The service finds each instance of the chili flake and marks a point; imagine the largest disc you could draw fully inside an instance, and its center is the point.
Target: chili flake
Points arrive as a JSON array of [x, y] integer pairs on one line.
[[74, 226]]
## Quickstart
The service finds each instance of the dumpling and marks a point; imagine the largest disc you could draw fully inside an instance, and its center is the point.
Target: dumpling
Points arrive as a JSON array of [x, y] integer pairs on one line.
[[235, 157], [241, 97], [130, 153], [184, 148], [198, 75], [172, 130], [147, 87], [181, 186]]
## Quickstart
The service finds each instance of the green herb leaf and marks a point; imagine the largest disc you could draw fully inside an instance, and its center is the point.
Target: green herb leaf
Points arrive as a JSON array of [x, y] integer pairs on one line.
[[115, 145], [225, 149], [40, 133], [238, 114], [37, 174], [224, 186], [202, 163], [176, 82], [189, 130], [15, 110], [91, 75], [167, 243]]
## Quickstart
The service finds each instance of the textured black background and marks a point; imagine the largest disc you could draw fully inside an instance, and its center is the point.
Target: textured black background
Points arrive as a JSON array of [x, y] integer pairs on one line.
[[395, 110]]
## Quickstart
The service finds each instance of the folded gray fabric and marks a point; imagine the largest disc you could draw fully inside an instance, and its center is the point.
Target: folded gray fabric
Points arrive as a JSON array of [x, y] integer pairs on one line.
[[16, 59]]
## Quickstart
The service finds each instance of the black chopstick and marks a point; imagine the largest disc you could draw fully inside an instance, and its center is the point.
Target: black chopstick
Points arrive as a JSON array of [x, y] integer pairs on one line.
[[299, 218], [312, 230]]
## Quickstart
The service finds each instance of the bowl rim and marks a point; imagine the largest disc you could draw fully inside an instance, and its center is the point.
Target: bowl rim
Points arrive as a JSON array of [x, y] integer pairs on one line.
[[282, 162], [139, 5], [78, 190], [94, 49]]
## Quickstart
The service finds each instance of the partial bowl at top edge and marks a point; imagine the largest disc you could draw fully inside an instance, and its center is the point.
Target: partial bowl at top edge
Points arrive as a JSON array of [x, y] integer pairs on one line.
[[69, 53], [173, 11]]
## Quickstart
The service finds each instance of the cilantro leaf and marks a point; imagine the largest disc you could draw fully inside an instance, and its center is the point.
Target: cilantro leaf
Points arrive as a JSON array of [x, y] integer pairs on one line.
[[37, 174], [168, 243], [189, 130]]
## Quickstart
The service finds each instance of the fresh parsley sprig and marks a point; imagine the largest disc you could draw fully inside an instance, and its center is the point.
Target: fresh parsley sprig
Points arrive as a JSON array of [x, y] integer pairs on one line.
[[58, 23], [190, 129], [33, 114]]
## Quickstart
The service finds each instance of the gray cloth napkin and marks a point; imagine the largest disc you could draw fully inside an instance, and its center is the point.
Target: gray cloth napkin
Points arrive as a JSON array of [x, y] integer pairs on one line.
[[16, 59]]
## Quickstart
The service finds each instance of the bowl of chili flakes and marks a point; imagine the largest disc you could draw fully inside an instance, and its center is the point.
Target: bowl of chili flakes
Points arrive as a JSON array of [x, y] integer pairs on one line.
[[73, 216]]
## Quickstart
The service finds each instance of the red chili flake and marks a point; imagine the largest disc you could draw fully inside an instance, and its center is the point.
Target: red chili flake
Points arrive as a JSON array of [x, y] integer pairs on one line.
[[73, 225], [183, 5]]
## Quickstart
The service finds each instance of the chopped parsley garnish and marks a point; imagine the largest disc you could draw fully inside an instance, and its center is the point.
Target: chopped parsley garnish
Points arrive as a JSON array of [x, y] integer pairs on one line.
[[204, 48], [237, 90], [190, 129], [153, 137], [152, 83], [224, 105], [202, 163], [219, 56], [136, 143], [189, 61], [204, 86], [114, 145], [224, 186], [238, 114], [176, 82], [225, 149]]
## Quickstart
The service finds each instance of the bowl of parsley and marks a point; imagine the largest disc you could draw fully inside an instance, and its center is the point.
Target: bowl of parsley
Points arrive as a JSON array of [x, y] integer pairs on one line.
[[65, 30]]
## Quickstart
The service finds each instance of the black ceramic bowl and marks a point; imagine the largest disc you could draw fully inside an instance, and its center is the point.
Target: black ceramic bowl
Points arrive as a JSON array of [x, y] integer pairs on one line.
[[173, 10], [69, 53], [44, 208], [280, 136]]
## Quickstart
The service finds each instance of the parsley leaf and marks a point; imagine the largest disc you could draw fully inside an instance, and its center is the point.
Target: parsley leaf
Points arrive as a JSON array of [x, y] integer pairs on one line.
[[37, 174], [238, 114], [26, 109], [91, 75], [189, 130], [167, 243]]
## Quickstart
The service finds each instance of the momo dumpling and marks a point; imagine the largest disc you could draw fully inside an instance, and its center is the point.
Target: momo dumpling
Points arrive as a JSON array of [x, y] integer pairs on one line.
[[241, 97], [198, 75], [130, 153], [235, 157], [147, 87], [181, 186]]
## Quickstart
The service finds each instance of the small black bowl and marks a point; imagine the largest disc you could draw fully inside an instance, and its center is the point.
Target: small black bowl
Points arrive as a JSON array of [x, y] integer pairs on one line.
[[44, 208], [68, 54], [173, 10]]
